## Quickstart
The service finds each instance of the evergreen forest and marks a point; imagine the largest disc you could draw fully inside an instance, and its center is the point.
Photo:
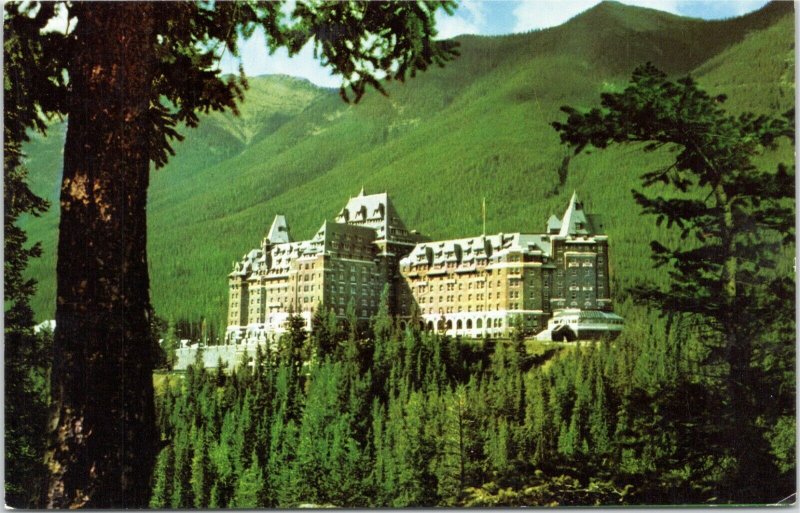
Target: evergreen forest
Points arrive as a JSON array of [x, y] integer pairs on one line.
[[370, 415], [354, 416]]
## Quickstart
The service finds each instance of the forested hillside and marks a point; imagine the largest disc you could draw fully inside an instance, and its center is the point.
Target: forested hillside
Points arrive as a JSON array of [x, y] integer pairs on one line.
[[482, 122], [357, 415]]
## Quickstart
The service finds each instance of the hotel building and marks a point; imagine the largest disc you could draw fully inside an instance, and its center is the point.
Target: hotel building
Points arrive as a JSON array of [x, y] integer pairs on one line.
[[476, 286]]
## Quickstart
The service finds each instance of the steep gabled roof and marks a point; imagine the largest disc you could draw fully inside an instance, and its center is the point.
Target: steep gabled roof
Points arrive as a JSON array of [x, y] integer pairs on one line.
[[574, 222], [279, 231], [374, 211], [467, 250]]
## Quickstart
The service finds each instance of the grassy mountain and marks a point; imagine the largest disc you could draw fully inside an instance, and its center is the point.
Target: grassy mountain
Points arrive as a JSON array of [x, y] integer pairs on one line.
[[477, 128]]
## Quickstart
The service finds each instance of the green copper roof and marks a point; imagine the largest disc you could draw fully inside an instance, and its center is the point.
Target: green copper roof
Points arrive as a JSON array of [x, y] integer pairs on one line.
[[575, 222]]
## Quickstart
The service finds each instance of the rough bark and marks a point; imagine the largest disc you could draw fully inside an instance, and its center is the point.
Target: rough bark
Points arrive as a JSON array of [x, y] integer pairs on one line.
[[103, 438]]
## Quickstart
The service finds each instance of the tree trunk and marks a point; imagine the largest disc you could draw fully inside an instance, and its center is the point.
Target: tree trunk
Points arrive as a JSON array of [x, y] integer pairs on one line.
[[102, 425], [744, 439]]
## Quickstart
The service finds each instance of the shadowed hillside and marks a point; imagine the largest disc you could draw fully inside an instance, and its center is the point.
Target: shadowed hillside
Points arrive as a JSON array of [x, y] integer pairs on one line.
[[478, 127]]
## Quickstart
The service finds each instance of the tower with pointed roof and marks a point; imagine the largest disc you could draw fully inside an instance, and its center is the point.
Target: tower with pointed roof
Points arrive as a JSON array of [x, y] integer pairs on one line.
[[473, 287], [491, 284], [580, 276], [346, 261], [279, 231]]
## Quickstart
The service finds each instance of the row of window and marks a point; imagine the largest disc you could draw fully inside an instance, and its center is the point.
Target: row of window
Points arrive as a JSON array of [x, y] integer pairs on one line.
[[364, 312], [343, 300], [576, 287], [460, 298], [575, 263], [459, 324]]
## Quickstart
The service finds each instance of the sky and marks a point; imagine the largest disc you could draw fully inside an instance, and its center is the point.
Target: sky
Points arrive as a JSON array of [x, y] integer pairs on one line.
[[483, 17]]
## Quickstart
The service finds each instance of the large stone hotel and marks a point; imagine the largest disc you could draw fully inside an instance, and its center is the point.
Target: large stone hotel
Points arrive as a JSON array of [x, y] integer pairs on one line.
[[476, 286]]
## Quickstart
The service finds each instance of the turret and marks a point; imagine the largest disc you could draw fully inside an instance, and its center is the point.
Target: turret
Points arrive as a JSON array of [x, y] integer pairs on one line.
[[279, 231], [575, 222]]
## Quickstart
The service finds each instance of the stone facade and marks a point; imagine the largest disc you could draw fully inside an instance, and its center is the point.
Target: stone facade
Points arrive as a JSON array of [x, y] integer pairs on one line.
[[349, 260], [490, 284], [475, 286]]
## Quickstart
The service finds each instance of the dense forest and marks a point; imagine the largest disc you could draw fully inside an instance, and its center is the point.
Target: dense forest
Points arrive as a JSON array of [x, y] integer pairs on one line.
[[373, 415], [383, 417]]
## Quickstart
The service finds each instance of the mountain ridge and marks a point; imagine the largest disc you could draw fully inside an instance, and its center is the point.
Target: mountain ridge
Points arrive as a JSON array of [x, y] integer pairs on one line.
[[482, 122]]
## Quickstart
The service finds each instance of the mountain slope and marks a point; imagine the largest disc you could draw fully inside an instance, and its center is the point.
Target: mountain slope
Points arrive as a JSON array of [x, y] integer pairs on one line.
[[477, 128]]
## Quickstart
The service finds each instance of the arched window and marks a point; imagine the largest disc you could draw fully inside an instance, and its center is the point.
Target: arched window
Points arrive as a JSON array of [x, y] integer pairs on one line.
[[449, 325], [458, 324], [440, 324], [430, 325], [479, 324], [469, 324]]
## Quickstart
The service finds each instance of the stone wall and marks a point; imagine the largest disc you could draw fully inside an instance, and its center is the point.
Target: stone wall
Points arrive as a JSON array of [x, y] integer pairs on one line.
[[231, 355]]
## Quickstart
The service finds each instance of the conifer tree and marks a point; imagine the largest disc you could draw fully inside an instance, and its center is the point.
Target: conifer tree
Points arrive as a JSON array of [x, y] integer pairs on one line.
[[201, 470], [320, 412], [538, 420], [598, 419], [323, 332], [281, 480], [214, 501], [163, 477], [456, 426], [293, 349], [27, 103], [170, 344], [385, 348], [733, 217], [351, 321], [250, 486], [126, 87], [181, 490]]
